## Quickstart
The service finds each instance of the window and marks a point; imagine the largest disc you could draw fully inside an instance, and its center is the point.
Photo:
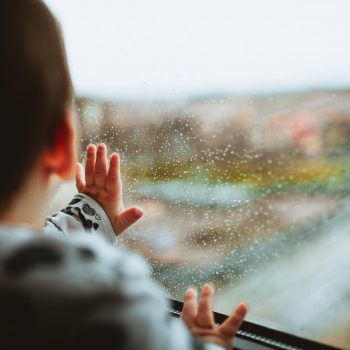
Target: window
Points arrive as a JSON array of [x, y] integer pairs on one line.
[[233, 123]]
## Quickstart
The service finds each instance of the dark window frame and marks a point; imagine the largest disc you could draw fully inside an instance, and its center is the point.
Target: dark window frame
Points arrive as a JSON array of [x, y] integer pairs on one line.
[[253, 336]]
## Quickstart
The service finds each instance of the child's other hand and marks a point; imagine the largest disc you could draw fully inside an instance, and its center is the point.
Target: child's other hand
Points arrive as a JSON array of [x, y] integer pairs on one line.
[[200, 319], [103, 183]]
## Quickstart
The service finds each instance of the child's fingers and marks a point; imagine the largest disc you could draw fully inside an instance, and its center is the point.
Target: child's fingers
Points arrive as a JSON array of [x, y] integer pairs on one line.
[[101, 166], [90, 165], [126, 218], [205, 317], [189, 310], [79, 179], [231, 325], [113, 182]]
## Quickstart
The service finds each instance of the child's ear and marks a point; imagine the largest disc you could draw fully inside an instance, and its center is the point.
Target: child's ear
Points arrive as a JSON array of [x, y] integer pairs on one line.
[[60, 159]]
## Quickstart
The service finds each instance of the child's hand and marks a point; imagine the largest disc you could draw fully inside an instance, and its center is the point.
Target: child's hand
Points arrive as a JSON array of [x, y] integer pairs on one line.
[[200, 319], [104, 184]]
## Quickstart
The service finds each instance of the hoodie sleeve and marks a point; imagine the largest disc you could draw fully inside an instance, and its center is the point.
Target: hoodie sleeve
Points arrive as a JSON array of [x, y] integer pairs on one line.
[[142, 311], [82, 213]]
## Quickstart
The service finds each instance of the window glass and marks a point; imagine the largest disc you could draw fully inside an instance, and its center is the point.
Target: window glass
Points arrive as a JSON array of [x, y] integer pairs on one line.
[[233, 122]]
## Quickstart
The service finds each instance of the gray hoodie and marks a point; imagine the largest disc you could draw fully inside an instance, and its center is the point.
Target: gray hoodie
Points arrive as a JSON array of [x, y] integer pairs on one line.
[[73, 286]]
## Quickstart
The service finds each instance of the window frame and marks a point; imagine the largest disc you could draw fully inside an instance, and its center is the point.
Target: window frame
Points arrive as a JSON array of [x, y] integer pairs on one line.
[[252, 336]]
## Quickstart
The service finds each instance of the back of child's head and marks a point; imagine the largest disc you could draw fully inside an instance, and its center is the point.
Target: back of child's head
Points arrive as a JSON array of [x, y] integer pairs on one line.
[[35, 89]]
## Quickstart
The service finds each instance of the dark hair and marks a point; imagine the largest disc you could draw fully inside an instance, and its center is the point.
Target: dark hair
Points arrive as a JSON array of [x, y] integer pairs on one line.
[[35, 89]]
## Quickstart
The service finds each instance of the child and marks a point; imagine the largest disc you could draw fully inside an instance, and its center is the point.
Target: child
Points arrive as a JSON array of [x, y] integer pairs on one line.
[[82, 291]]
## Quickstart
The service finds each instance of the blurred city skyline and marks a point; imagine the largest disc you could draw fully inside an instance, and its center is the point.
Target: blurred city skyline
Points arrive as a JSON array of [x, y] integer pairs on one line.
[[138, 49]]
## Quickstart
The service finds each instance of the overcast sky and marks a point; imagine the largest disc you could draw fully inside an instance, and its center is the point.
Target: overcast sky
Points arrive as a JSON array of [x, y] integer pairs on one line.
[[142, 48]]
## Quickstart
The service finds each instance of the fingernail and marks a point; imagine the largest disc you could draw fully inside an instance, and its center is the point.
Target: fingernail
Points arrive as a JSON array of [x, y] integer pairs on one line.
[[139, 212], [191, 291], [90, 147], [245, 304], [208, 287]]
